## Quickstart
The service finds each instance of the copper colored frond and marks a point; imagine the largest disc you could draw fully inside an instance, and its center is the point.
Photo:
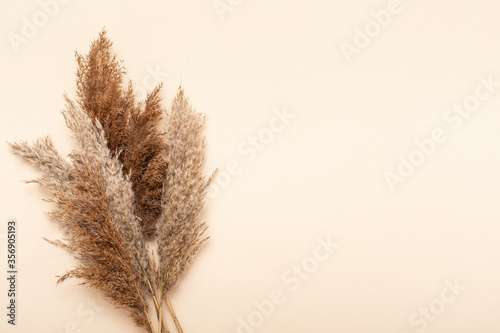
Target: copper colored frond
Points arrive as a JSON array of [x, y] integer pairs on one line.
[[83, 211], [104, 260], [146, 159], [131, 128]]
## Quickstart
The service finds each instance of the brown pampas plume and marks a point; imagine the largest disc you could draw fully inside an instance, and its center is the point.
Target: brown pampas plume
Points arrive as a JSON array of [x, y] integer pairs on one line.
[[126, 184], [118, 189], [92, 228], [131, 129]]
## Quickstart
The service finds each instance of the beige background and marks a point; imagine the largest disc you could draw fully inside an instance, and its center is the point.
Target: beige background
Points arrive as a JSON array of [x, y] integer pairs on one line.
[[321, 175]]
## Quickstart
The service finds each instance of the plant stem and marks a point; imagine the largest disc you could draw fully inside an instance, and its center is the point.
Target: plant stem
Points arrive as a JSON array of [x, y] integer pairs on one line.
[[159, 302], [158, 311], [149, 322], [172, 312], [160, 316]]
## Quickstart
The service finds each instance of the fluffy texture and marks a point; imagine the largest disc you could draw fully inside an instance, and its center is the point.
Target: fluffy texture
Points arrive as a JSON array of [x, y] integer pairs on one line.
[[131, 128], [91, 217], [56, 170], [180, 232], [91, 141], [126, 183]]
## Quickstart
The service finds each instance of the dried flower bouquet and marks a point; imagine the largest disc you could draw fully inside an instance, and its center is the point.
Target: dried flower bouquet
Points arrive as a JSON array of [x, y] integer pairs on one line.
[[129, 184]]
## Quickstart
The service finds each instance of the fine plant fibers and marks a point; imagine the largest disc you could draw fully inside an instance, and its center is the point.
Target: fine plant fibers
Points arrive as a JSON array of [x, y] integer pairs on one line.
[[131, 129], [134, 182]]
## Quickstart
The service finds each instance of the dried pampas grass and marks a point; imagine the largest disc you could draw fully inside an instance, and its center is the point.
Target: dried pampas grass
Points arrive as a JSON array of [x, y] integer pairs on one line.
[[179, 228], [131, 129], [127, 183]]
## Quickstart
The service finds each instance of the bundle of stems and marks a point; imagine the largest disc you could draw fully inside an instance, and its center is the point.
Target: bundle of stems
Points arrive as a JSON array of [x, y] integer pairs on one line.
[[134, 181]]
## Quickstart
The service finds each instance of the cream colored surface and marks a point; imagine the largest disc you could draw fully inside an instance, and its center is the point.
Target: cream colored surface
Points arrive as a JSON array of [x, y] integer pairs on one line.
[[318, 174]]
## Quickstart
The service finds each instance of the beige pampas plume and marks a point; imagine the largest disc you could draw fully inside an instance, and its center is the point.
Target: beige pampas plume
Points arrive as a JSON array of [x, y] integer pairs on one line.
[[179, 227]]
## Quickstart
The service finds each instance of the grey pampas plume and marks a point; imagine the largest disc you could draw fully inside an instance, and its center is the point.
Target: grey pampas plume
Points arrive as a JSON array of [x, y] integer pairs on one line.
[[42, 154], [179, 227], [57, 172]]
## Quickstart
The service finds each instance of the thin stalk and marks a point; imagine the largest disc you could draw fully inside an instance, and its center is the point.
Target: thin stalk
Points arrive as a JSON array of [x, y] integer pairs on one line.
[[172, 312], [158, 309], [160, 319], [149, 322], [169, 305], [159, 312]]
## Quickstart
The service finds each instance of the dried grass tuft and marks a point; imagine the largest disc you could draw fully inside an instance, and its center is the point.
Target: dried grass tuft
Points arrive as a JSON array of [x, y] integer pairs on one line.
[[179, 227], [131, 128], [126, 183]]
